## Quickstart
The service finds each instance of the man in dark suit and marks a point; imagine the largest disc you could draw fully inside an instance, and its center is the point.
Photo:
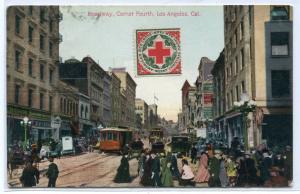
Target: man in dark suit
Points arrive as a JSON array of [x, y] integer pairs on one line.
[[156, 170]]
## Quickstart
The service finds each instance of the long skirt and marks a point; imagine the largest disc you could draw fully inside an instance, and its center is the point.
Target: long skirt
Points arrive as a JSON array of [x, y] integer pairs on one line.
[[202, 175]]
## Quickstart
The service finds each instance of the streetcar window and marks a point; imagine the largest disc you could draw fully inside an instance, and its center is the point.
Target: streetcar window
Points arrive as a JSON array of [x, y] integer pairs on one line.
[[115, 136], [104, 136], [109, 136]]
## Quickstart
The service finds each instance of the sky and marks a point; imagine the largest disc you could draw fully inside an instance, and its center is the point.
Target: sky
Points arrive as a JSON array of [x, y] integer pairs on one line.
[[110, 41]]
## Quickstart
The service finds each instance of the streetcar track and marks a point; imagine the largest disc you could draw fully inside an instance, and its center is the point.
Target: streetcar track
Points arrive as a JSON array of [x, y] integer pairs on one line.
[[82, 166]]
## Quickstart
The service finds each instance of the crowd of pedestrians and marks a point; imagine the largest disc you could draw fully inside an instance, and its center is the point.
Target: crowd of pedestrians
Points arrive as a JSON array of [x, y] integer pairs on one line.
[[230, 168]]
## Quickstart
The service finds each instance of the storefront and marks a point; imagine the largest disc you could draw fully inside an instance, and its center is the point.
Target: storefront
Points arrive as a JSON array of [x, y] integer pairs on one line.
[[233, 127], [38, 127], [277, 129], [85, 127]]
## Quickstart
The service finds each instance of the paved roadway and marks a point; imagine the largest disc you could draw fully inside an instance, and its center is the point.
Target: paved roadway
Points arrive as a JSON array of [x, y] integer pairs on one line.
[[87, 170]]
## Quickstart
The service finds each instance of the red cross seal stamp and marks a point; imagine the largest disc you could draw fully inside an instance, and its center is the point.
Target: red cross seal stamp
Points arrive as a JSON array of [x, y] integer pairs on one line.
[[158, 51]]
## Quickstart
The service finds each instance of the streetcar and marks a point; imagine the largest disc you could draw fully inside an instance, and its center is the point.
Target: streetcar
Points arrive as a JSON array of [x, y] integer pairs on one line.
[[179, 144], [156, 135], [114, 139]]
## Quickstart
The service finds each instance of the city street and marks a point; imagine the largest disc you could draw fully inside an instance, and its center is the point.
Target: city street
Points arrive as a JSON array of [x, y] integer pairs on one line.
[[87, 170]]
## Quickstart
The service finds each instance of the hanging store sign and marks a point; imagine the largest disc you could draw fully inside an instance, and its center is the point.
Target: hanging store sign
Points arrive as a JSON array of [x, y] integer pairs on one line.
[[56, 122]]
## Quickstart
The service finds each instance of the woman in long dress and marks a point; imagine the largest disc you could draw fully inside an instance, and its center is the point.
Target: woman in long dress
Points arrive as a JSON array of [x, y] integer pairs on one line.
[[223, 173], [166, 174], [123, 175], [202, 174], [146, 178]]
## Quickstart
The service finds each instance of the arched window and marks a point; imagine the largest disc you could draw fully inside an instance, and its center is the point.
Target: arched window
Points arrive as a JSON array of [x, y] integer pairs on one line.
[[61, 105], [81, 110], [65, 105], [71, 108], [279, 13], [74, 109], [86, 111]]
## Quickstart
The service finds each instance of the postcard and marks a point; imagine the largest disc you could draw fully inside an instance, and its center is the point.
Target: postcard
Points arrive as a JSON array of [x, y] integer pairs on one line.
[[171, 96]]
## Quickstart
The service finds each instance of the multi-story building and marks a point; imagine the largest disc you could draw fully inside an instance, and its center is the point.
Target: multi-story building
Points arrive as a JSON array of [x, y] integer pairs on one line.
[[141, 109], [123, 101], [180, 123], [87, 76], [191, 109], [84, 111], [107, 99], [258, 64], [32, 68], [128, 88], [152, 114], [96, 74], [184, 106], [115, 93], [66, 108], [204, 94], [218, 73]]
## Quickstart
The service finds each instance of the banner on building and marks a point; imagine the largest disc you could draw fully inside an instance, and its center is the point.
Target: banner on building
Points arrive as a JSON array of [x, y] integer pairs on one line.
[[158, 51], [208, 99]]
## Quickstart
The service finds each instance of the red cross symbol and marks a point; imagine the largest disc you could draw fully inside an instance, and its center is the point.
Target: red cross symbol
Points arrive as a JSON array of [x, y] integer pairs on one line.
[[159, 52]]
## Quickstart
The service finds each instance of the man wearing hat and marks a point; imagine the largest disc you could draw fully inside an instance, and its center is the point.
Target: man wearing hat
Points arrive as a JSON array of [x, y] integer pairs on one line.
[[52, 172], [214, 169], [265, 166], [156, 169], [174, 166], [250, 169]]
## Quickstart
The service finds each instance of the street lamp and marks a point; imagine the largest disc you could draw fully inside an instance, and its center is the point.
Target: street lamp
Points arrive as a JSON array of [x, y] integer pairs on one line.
[[25, 123], [245, 106]]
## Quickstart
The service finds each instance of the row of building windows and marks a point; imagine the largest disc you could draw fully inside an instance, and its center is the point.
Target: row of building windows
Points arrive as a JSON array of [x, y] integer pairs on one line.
[[280, 87], [32, 34], [30, 98], [95, 77], [18, 65], [237, 65], [279, 48], [68, 107], [95, 94], [234, 95], [276, 12], [279, 40]]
